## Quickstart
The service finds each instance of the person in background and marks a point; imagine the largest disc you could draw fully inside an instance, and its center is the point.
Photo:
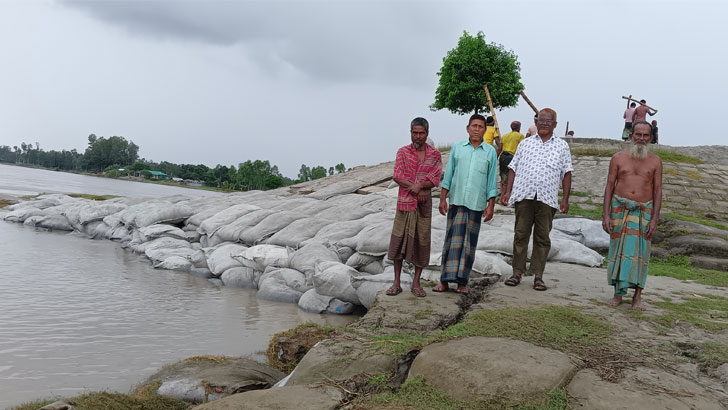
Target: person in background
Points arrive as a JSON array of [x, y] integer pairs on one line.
[[510, 143], [491, 135], [628, 114], [655, 138]]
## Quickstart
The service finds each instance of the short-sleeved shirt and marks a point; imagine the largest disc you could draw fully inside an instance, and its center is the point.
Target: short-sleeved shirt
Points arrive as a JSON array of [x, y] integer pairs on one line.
[[471, 175], [628, 114], [408, 166], [540, 167], [511, 140], [490, 134]]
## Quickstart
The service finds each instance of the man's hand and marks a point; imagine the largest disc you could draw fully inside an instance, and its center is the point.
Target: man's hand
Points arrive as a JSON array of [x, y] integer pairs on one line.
[[504, 198], [423, 195], [564, 208], [443, 205], [606, 224], [415, 189], [488, 213], [651, 228]]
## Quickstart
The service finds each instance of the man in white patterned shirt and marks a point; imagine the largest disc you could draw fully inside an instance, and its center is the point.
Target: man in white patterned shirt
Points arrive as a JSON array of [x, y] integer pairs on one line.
[[541, 163]]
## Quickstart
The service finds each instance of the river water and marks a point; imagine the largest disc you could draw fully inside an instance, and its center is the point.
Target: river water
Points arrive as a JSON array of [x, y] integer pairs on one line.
[[82, 315]]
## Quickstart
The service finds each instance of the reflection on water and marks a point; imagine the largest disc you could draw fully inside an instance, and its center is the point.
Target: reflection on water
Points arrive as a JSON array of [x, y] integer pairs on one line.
[[20, 181], [79, 315]]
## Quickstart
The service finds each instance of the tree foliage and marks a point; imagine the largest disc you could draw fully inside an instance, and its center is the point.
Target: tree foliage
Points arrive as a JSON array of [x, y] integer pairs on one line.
[[105, 152], [470, 65]]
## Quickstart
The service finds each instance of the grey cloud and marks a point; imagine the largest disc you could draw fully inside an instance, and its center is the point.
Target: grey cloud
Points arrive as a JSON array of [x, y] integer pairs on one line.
[[342, 41]]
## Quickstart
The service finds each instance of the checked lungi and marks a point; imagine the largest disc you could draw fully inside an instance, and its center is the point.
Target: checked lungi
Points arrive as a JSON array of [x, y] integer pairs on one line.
[[629, 248], [411, 232], [461, 239]]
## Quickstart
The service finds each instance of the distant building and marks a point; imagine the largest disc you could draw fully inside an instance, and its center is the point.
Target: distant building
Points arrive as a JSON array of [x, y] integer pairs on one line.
[[159, 175]]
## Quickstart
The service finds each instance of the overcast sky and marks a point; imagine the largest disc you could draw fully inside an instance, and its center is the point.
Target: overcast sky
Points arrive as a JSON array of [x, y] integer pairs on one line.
[[323, 82]]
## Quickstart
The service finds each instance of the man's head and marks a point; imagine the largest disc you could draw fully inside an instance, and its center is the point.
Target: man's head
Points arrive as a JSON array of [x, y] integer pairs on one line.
[[419, 128], [516, 126], [570, 133], [546, 122], [641, 136], [654, 123], [643, 101], [476, 127], [633, 105], [489, 121]]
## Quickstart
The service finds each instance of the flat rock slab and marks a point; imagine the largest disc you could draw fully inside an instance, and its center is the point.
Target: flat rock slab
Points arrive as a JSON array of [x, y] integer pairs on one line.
[[406, 312], [643, 389], [200, 380], [280, 398], [479, 367], [340, 359], [699, 244]]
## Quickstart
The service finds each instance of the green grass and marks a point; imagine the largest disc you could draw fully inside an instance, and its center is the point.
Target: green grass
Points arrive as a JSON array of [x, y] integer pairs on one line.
[[417, 393], [678, 267], [713, 355], [582, 194], [701, 221], [575, 209], [5, 202], [696, 309], [304, 336], [668, 156], [113, 401], [557, 327]]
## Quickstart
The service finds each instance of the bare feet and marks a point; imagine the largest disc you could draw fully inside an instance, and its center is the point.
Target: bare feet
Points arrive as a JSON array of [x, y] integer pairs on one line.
[[637, 300], [441, 287], [615, 301], [462, 290]]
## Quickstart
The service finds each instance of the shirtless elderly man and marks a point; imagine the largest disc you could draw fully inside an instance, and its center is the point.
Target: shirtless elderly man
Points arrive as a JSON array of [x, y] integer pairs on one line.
[[632, 201]]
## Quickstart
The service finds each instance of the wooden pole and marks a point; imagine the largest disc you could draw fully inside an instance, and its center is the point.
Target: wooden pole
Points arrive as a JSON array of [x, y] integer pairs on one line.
[[566, 133], [492, 111], [533, 107], [632, 99]]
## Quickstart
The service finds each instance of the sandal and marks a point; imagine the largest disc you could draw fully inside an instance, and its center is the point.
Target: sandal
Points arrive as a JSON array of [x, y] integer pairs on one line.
[[419, 292], [514, 280], [463, 291], [394, 291], [441, 287], [538, 284]]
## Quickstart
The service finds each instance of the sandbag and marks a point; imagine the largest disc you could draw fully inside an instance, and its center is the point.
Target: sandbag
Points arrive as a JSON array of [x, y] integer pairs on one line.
[[224, 217], [585, 231], [334, 279], [259, 257], [201, 273], [221, 259], [574, 252], [232, 231], [241, 277], [151, 212], [366, 263], [21, 214], [343, 213], [314, 303], [155, 231], [298, 231], [372, 240], [281, 285], [304, 260], [175, 262], [367, 286], [160, 249], [268, 226], [96, 212], [337, 231]]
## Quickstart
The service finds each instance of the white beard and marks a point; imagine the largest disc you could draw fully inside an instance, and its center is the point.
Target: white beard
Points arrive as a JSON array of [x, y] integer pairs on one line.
[[638, 151]]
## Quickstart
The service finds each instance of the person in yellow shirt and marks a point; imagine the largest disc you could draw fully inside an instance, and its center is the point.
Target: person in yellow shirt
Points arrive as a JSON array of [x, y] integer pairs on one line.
[[509, 143], [491, 135]]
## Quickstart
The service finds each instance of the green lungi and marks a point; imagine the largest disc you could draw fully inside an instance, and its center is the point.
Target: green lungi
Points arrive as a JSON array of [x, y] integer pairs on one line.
[[629, 248]]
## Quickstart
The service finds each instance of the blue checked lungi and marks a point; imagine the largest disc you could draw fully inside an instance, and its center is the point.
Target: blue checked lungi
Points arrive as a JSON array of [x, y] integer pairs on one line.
[[461, 239]]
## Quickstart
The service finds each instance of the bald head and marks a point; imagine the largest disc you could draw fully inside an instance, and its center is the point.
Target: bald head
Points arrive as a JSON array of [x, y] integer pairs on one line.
[[516, 126]]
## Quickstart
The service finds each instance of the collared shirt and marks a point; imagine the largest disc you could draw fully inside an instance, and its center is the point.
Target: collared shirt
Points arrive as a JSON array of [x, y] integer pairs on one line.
[[408, 166], [511, 140], [470, 175], [540, 167]]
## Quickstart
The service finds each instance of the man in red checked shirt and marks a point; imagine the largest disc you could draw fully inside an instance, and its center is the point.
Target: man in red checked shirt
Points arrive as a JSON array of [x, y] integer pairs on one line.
[[417, 169]]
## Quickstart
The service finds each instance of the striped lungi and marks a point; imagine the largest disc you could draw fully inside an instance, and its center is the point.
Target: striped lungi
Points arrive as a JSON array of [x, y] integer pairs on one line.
[[629, 248], [410, 238], [461, 239]]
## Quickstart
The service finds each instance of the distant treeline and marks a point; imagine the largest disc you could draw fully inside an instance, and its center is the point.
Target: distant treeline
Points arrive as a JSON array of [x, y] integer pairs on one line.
[[115, 157]]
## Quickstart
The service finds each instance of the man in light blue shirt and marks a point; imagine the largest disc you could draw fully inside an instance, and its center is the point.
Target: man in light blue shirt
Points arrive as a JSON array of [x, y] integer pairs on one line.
[[471, 185]]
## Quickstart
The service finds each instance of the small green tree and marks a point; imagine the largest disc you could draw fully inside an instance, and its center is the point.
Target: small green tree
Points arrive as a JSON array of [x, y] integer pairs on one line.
[[470, 65]]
